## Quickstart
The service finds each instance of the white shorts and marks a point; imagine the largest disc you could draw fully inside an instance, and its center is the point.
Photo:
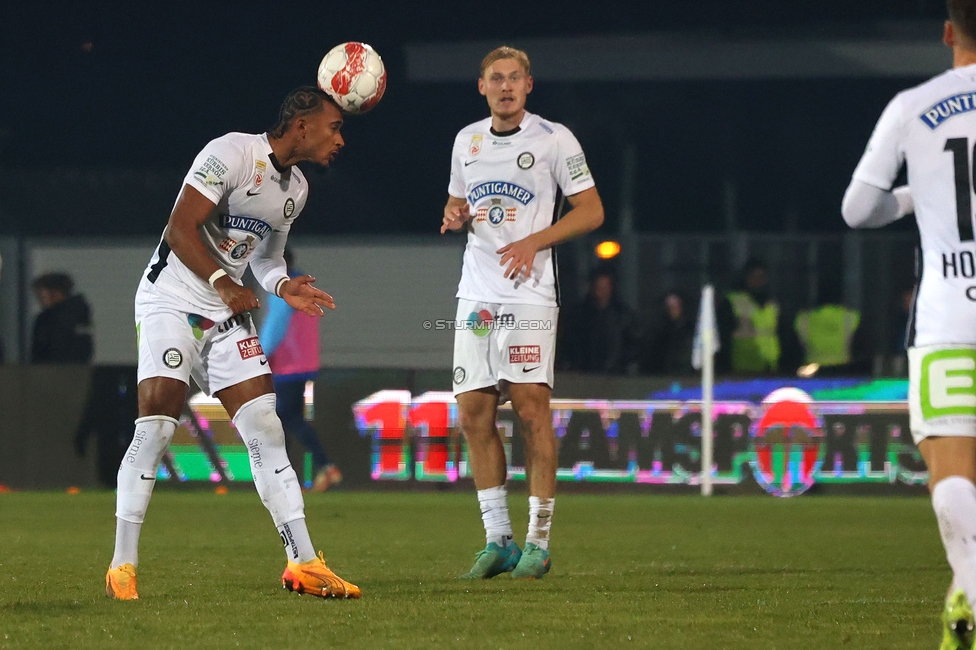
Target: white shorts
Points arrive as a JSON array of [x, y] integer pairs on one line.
[[179, 345], [942, 391], [503, 343]]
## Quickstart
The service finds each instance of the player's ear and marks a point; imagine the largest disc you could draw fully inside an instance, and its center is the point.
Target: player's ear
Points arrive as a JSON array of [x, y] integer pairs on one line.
[[948, 34], [528, 84], [481, 86]]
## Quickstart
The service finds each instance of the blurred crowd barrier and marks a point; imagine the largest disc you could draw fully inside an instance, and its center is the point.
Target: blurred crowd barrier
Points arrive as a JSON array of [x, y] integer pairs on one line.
[[389, 291]]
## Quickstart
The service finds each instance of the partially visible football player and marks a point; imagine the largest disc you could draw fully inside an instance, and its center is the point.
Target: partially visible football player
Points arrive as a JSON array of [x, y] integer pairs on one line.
[[932, 128], [509, 174], [237, 205]]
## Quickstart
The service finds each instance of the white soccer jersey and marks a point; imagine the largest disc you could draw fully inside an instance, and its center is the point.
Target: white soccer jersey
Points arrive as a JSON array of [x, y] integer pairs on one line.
[[257, 201], [513, 183], [932, 127]]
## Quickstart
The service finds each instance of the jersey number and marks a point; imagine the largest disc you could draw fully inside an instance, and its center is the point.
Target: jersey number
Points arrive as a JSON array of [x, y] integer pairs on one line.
[[964, 189]]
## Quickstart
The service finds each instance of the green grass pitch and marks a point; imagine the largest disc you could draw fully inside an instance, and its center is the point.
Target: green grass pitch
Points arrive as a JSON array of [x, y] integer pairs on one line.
[[628, 571]]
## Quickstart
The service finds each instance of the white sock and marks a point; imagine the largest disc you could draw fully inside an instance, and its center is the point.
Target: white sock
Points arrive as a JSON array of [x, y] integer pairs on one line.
[[540, 518], [274, 477], [137, 476], [954, 501], [494, 514], [297, 542], [126, 543]]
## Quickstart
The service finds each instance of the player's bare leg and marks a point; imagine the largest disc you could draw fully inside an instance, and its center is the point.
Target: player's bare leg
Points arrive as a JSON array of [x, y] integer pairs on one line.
[[160, 404], [251, 406], [477, 410], [952, 473], [531, 404]]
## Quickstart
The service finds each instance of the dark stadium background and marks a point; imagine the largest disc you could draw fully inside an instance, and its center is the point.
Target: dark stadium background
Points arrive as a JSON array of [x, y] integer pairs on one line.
[[140, 87]]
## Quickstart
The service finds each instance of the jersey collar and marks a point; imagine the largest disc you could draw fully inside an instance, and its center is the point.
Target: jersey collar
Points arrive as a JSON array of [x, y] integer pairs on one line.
[[284, 171], [504, 134], [510, 132]]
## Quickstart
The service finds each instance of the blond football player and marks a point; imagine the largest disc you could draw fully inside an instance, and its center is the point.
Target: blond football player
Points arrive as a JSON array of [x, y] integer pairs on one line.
[[509, 173]]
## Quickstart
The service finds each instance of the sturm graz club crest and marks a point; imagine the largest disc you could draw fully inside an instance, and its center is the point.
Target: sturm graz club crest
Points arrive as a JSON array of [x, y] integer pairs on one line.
[[242, 249], [289, 207], [496, 214], [526, 160], [459, 375], [173, 358]]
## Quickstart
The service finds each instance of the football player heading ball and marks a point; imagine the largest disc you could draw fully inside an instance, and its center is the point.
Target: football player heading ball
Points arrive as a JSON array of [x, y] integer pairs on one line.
[[237, 205], [508, 175]]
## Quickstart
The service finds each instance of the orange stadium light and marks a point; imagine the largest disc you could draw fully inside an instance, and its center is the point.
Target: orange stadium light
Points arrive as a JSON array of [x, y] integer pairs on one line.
[[606, 250]]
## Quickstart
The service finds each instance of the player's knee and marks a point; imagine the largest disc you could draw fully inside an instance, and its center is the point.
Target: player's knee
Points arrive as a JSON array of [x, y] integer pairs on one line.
[[534, 416], [160, 396], [149, 442], [476, 424], [262, 432], [258, 416]]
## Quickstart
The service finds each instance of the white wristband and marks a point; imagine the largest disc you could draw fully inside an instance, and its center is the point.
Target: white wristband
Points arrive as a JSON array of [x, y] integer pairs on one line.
[[278, 286], [219, 273]]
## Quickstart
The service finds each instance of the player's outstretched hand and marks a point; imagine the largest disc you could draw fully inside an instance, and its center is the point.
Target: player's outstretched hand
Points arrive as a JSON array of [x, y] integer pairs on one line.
[[455, 217], [519, 256], [235, 296], [301, 295]]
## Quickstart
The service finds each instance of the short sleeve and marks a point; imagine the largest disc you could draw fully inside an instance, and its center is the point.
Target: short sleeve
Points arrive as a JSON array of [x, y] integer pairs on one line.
[[571, 172], [456, 186], [218, 169], [885, 153]]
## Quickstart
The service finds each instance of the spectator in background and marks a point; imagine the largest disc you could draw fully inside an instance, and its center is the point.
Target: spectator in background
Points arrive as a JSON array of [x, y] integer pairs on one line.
[[748, 322], [290, 340], [667, 350], [600, 335], [831, 336], [62, 331]]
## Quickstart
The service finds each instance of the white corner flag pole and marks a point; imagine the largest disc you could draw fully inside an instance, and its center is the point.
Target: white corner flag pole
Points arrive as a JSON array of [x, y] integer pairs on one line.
[[704, 357]]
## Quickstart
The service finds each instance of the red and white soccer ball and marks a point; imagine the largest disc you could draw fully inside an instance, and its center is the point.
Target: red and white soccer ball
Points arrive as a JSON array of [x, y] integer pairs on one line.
[[354, 76]]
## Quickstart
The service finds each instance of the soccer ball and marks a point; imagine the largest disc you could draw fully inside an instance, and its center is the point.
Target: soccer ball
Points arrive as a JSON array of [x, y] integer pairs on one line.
[[354, 76]]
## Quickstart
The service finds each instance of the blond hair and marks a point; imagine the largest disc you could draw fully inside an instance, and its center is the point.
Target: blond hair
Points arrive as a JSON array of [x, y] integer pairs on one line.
[[506, 52]]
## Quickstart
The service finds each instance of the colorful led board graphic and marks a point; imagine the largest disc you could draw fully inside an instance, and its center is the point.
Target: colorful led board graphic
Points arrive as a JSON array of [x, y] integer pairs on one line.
[[786, 443], [207, 447]]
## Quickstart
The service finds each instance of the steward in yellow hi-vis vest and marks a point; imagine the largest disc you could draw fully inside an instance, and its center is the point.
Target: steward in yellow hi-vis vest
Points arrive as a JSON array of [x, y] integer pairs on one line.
[[826, 334], [755, 344]]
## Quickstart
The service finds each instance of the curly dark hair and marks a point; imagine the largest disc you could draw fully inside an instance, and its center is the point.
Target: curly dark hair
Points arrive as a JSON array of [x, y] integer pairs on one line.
[[300, 102]]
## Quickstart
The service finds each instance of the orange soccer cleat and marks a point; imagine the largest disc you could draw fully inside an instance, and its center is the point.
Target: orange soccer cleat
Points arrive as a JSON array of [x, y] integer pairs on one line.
[[326, 478], [120, 583], [316, 579]]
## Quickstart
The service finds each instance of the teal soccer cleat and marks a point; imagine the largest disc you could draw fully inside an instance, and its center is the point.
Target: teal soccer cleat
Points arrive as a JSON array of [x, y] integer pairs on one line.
[[494, 560], [534, 564], [957, 623]]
